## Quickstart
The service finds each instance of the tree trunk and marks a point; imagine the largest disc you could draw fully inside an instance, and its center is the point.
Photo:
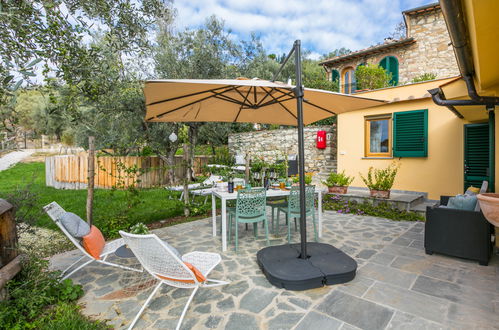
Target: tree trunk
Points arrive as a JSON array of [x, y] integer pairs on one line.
[[193, 139], [91, 176], [247, 169], [186, 180]]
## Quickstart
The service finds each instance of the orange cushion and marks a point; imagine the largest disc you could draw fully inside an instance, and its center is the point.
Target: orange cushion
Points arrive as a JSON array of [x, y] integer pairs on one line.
[[199, 276], [94, 242]]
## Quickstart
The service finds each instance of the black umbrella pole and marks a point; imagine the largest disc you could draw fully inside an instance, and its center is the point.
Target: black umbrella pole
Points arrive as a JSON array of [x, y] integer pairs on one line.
[[301, 149]]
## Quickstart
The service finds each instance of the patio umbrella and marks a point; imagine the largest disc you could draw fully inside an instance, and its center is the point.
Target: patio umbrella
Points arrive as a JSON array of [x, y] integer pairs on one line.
[[267, 102], [242, 101]]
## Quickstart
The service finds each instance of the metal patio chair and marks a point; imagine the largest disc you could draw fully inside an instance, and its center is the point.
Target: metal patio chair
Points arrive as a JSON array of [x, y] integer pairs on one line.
[[165, 266], [292, 209], [250, 208], [55, 212]]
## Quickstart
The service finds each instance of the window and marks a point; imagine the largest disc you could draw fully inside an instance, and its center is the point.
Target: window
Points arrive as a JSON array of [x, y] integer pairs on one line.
[[378, 136], [410, 133], [348, 81], [391, 65], [335, 75]]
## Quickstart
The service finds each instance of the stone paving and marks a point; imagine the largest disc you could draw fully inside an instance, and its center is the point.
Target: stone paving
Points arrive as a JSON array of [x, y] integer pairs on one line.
[[397, 285]]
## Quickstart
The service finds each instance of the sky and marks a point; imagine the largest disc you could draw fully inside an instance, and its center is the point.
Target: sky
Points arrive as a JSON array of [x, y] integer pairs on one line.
[[321, 25]]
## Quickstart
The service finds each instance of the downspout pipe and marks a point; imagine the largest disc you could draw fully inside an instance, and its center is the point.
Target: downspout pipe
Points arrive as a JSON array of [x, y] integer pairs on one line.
[[454, 19], [439, 99]]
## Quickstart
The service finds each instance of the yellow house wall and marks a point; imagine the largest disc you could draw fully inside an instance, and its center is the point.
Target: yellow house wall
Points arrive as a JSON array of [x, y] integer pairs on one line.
[[441, 173]]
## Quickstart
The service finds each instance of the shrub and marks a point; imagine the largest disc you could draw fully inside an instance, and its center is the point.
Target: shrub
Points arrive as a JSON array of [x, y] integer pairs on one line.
[[336, 203], [424, 77], [381, 179], [39, 300], [338, 180], [372, 77]]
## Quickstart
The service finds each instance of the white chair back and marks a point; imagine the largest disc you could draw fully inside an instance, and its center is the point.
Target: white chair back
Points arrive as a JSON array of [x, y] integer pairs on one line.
[[159, 260], [55, 212]]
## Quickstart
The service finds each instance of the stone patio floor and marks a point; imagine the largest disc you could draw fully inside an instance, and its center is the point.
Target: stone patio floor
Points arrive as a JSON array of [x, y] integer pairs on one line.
[[397, 285]]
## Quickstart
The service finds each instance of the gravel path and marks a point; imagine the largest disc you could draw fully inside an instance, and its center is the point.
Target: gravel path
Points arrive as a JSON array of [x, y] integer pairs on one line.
[[13, 158]]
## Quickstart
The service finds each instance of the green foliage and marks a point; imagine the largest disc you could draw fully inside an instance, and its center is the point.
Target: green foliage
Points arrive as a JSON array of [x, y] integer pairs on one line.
[[337, 52], [424, 77], [336, 203], [51, 34], [139, 229], [111, 212], [33, 291], [372, 77], [223, 157], [381, 179], [308, 178], [196, 209], [338, 180]]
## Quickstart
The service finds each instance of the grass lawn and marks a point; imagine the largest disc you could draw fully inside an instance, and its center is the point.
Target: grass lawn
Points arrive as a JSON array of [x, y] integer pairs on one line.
[[111, 212]]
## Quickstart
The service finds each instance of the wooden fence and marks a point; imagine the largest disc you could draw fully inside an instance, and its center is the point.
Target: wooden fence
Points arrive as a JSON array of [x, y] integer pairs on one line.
[[70, 171]]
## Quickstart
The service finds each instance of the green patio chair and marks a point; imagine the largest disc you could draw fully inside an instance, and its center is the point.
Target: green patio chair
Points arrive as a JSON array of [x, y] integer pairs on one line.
[[275, 203], [292, 210], [250, 208]]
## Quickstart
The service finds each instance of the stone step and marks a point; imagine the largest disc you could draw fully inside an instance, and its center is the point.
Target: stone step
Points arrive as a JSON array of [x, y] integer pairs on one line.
[[421, 207], [401, 200]]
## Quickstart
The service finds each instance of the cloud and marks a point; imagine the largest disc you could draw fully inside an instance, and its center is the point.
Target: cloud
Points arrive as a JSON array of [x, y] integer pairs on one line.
[[322, 25]]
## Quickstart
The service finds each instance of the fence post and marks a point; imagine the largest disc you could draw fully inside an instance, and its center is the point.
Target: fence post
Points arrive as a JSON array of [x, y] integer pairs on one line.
[[10, 262]]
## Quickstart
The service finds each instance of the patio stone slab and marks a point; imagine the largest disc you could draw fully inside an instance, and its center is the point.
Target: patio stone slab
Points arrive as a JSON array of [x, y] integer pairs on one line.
[[407, 321], [314, 320], [396, 286], [359, 312], [408, 301], [256, 300], [388, 275], [455, 293], [239, 321]]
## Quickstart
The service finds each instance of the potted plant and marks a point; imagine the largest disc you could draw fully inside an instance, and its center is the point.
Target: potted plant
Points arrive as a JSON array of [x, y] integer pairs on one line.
[[380, 181], [139, 229], [308, 178], [338, 183]]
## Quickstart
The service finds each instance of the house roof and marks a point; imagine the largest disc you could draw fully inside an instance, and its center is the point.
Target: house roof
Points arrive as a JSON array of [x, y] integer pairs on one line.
[[422, 9], [369, 51], [383, 47]]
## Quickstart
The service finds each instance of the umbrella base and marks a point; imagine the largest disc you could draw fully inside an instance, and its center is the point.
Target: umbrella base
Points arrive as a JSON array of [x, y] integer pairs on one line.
[[326, 265]]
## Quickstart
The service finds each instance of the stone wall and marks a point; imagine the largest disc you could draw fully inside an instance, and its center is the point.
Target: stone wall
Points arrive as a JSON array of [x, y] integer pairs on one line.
[[272, 145], [431, 53]]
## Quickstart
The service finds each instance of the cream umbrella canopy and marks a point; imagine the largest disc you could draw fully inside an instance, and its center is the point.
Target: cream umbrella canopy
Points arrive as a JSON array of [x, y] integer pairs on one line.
[[242, 101], [268, 102]]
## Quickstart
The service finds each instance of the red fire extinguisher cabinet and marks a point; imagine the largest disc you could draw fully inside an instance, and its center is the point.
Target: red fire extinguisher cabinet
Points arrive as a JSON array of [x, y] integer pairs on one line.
[[321, 139]]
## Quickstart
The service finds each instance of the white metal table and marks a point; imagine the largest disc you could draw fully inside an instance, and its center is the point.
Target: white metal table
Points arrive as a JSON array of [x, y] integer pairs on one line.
[[225, 196]]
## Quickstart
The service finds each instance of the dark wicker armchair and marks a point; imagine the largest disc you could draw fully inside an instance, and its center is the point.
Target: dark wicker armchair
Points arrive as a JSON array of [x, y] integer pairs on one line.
[[458, 233]]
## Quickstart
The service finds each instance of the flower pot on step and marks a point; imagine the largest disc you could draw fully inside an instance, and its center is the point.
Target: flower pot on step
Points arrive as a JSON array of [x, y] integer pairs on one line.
[[338, 189], [380, 193]]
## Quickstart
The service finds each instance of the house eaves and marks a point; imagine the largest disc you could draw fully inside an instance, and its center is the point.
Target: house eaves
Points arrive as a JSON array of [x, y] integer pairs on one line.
[[383, 48]]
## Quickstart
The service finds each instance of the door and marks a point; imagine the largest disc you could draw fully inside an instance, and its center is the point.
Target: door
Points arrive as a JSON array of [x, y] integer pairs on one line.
[[476, 155]]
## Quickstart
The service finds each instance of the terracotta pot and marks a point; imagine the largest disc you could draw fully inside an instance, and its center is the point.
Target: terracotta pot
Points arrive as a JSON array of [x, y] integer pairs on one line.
[[489, 204], [380, 193], [338, 189]]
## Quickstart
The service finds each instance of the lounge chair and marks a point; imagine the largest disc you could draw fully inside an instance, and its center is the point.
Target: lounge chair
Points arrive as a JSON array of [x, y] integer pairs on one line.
[[193, 186], [55, 212], [189, 271]]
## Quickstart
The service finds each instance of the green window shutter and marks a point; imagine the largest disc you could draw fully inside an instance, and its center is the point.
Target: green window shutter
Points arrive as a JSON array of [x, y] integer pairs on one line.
[[410, 133], [335, 75], [391, 65]]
